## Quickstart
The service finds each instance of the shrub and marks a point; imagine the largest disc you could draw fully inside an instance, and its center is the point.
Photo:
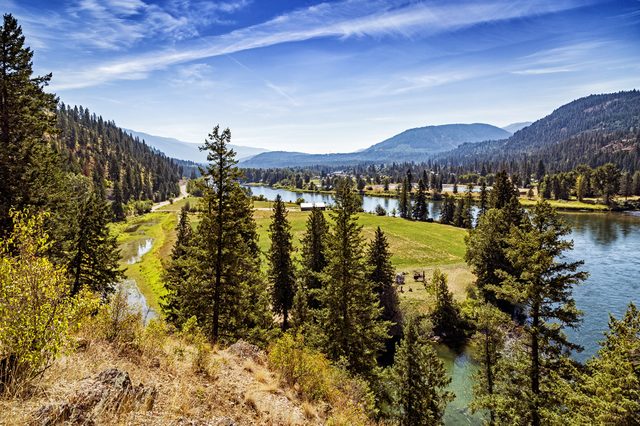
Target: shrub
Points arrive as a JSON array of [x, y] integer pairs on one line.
[[119, 323], [317, 379], [37, 313], [380, 211]]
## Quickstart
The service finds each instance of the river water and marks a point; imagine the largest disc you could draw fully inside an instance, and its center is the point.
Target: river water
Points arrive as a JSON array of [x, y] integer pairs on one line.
[[609, 245]]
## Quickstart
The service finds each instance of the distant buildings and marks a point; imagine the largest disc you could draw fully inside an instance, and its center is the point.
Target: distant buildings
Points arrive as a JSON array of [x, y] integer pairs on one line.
[[305, 207]]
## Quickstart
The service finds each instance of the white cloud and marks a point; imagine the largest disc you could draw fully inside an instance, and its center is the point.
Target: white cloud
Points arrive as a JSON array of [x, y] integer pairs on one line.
[[346, 19]]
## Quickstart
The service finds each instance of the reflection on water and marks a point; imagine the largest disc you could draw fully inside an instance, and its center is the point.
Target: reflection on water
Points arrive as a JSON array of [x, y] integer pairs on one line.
[[137, 300], [143, 248], [609, 245]]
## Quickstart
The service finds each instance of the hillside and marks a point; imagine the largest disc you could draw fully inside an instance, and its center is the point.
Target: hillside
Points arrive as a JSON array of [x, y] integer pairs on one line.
[[189, 151], [594, 130], [92, 145], [514, 127], [411, 145]]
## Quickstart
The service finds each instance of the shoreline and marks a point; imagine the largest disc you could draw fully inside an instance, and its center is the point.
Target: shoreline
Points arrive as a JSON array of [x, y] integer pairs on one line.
[[560, 205]]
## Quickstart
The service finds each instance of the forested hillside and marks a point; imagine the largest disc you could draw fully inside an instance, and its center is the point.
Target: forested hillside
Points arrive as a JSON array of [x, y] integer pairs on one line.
[[593, 130], [93, 146], [417, 144]]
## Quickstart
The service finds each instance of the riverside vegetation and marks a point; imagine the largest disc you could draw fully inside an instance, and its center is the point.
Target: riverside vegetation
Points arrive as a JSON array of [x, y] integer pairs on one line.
[[317, 337]]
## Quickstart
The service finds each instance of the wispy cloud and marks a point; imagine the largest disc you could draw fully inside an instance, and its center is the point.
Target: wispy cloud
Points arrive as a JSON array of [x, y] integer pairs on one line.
[[350, 18]]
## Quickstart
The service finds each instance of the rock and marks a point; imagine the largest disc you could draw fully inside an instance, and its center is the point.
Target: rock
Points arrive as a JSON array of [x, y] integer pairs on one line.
[[98, 400], [246, 350], [215, 421]]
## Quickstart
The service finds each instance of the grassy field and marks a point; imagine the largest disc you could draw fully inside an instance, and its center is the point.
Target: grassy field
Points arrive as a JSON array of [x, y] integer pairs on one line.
[[416, 246]]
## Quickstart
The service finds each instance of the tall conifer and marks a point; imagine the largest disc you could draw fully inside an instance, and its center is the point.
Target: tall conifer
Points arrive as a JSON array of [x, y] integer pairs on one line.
[[281, 270]]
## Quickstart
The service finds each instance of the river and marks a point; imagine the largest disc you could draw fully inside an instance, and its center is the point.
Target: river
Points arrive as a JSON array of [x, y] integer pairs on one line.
[[609, 245]]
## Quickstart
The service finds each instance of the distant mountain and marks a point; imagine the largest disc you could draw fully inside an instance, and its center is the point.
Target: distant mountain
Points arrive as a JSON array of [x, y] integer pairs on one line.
[[592, 130], [514, 127], [189, 151], [411, 145]]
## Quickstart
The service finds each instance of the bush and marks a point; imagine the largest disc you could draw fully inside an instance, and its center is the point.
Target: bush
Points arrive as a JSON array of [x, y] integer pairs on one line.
[[37, 313], [119, 323], [299, 200], [317, 379], [380, 211]]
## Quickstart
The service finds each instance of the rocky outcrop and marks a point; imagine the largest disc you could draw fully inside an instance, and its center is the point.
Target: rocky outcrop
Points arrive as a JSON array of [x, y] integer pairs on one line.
[[98, 400], [246, 350]]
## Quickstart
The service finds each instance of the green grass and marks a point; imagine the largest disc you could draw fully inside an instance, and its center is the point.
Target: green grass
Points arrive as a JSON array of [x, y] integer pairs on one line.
[[567, 205], [159, 226], [415, 246]]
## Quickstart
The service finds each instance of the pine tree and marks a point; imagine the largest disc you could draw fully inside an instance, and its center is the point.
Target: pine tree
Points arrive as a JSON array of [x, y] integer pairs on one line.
[[232, 293], [116, 206], [94, 255], [448, 210], [381, 273], [405, 199], [445, 317], [314, 256], [487, 345], [420, 380], [175, 278], [503, 191], [281, 270], [609, 390], [350, 317], [30, 173], [420, 211], [541, 284], [485, 254], [458, 213], [467, 215], [484, 197]]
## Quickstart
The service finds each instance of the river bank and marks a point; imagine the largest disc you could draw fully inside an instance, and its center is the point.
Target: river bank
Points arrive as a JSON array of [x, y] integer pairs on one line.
[[590, 205]]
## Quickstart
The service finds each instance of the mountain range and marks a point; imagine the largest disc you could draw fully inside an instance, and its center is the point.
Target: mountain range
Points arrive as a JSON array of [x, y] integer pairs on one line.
[[187, 150], [411, 145], [593, 130]]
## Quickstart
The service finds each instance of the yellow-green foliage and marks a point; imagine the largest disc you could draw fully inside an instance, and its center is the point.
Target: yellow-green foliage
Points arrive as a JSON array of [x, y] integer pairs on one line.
[[36, 310], [317, 379]]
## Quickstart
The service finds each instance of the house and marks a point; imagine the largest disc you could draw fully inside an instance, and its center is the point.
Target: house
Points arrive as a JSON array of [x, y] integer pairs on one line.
[[305, 207]]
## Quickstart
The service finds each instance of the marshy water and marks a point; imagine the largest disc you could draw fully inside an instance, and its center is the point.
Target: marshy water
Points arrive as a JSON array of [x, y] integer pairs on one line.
[[135, 298], [609, 245]]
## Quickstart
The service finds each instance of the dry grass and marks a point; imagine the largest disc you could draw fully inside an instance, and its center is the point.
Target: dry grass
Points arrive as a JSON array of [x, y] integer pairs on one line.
[[226, 390]]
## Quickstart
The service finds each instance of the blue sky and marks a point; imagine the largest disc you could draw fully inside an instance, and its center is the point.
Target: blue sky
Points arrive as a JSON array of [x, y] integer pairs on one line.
[[331, 76]]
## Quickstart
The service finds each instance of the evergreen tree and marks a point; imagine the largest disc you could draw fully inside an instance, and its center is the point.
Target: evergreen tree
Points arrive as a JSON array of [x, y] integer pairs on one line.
[[29, 168], [314, 256], [93, 252], [281, 270], [175, 278], [116, 206], [420, 211], [487, 345], [541, 170], [231, 291], [503, 191], [458, 213], [448, 210], [484, 197], [485, 255], [405, 199], [350, 318], [420, 380], [445, 317], [381, 273], [609, 391], [467, 215], [541, 284]]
